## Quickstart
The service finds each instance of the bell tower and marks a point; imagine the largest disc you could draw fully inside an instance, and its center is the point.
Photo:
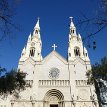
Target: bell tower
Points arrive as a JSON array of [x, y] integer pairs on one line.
[[34, 45], [76, 48]]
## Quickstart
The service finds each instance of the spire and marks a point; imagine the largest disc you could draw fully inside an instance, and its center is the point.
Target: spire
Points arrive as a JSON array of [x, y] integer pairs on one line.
[[79, 36], [36, 32], [37, 24], [23, 51], [34, 45], [85, 53], [72, 28], [29, 38], [85, 50], [71, 24]]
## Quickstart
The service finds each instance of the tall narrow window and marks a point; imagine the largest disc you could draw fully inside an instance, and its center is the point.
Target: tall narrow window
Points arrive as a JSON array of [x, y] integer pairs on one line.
[[77, 51], [36, 32], [73, 31], [86, 54], [32, 51]]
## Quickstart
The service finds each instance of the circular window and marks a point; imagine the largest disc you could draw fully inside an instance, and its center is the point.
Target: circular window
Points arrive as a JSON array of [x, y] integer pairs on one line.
[[54, 73]]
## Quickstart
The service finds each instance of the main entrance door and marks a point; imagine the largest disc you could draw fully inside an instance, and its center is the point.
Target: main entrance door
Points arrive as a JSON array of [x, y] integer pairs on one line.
[[53, 98], [53, 105]]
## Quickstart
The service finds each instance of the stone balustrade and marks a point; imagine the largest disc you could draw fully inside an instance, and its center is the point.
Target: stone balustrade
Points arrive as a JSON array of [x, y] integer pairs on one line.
[[54, 82]]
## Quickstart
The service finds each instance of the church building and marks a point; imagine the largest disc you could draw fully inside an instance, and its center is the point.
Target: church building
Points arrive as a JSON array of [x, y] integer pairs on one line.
[[54, 81]]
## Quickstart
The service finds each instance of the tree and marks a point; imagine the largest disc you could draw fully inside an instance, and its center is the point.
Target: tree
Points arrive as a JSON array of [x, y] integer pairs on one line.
[[6, 18], [99, 71], [94, 24], [11, 82], [98, 76]]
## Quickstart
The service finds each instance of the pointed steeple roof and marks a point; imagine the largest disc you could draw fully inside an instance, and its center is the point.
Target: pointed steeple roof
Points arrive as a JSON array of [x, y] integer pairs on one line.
[[79, 36], [37, 24], [72, 28], [71, 24], [85, 50], [29, 38], [23, 51], [36, 32]]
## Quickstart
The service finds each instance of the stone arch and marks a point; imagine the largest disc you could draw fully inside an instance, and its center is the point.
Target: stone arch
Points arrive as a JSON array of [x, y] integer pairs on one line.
[[54, 96], [54, 92], [36, 32]]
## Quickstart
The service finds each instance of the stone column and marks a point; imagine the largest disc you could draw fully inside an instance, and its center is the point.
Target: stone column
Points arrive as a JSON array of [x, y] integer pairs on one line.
[[45, 104], [63, 105], [12, 104], [33, 104], [74, 104], [95, 104]]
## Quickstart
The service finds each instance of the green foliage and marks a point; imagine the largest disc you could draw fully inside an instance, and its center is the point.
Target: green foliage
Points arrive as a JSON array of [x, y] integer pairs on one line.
[[2, 70], [99, 71], [11, 82]]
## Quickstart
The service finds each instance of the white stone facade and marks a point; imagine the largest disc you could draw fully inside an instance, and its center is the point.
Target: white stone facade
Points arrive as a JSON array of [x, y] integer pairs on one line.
[[54, 81]]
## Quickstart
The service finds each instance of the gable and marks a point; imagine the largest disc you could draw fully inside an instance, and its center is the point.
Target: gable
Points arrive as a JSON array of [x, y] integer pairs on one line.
[[29, 60], [79, 60], [80, 69], [53, 60], [54, 56]]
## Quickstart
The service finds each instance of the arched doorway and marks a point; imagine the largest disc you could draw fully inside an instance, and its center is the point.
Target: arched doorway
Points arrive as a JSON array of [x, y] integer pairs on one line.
[[54, 98]]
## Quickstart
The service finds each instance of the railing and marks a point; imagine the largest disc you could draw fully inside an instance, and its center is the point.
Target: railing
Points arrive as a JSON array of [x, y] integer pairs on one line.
[[54, 83], [2, 105], [29, 83], [81, 82]]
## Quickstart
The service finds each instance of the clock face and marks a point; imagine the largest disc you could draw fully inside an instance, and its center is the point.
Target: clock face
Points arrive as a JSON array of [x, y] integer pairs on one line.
[[54, 73]]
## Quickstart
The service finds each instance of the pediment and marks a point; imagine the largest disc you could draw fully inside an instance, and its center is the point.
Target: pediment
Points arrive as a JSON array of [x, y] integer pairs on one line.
[[55, 55], [29, 60], [79, 60]]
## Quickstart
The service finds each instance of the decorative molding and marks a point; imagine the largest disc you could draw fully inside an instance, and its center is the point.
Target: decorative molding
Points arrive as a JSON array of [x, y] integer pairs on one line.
[[54, 83]]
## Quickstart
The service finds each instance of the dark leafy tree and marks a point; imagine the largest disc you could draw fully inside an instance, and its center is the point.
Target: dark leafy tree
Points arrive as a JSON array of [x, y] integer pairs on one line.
[[11, 82], [98, 75], [99, 71]]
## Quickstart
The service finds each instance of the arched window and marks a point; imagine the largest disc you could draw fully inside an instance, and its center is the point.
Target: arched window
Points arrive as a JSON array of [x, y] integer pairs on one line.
[[86, 54], [73, 31], [36, 32], [32, 51], [77, 51]]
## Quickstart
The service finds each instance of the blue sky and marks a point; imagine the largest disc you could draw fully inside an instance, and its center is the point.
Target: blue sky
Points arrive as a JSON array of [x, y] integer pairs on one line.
[[54, 22]]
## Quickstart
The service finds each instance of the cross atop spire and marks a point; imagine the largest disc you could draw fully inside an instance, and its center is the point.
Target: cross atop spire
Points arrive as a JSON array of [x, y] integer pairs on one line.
[[71, 18], [54, 46]]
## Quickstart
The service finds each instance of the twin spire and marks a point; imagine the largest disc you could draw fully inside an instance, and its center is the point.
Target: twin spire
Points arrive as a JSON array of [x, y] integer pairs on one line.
[[34, 44], [76, 48], [73, 30]]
